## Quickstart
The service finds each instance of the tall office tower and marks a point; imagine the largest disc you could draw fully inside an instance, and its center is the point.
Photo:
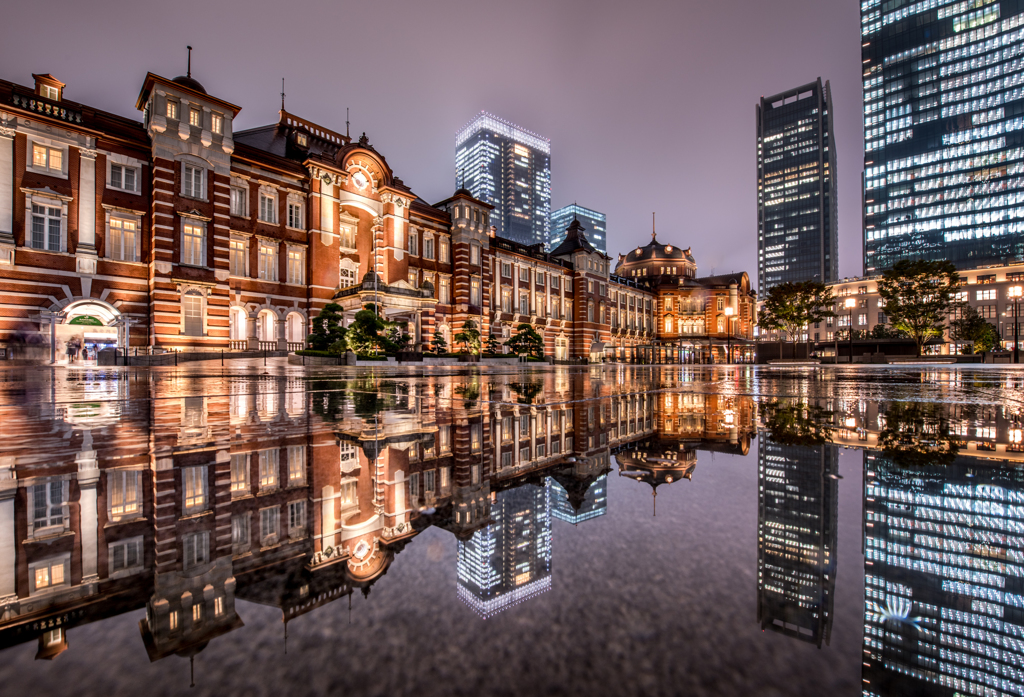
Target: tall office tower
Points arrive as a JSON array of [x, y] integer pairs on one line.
[[509, 560], [593, 222], [593, 505], [796, 532], [943, 586], [797, 224], [943, 144], [509, 168]]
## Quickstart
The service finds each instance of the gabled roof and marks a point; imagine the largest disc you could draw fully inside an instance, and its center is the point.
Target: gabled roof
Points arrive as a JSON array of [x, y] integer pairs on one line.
[[575, 240]]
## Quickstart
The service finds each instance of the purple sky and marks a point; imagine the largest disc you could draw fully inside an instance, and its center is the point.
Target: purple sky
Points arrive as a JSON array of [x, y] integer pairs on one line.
[[649, 105]]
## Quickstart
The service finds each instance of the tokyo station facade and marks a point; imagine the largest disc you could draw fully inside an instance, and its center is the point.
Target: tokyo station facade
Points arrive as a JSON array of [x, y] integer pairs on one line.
[[179, 233]]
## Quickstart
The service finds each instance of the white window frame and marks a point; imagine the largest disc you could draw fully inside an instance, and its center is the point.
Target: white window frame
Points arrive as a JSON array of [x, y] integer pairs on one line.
[[428, 246], [348, 273], [267, 258], [444, 290], [474, 254], [270, 469], [54, 510], [122, 169], [295, 265], [239, 482], [241, 532], [195, 550], [266, 194], [48, 147], [195, 116], [190, 256], [49, 205], [49, 92], [193, 180], [195, 489], [270, 526], [62, 562], [124, 494], [116, 231], [238, 250], [193, 296], [217, 123], [444, 251], [414, 244], [172, 109], [296, 465], [239, 192], [296, 519], [296, 211], [128, 547]]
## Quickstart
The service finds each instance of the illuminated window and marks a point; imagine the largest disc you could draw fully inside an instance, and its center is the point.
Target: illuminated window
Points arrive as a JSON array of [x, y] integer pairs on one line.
[[268, 207], [296, 265], [195, 117], [295, 217], [49, 507], [296, 465], [268, 261], [217, 124], [270, 467], [194, 484], [172, 109], [192, 180], [239, 258], [47, 159], [124, 492], [122, 239], [47, 228]]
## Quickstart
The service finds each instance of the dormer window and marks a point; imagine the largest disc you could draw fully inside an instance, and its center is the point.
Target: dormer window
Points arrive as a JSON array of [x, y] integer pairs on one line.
[[49, 92], [301, 139], [48, 87]]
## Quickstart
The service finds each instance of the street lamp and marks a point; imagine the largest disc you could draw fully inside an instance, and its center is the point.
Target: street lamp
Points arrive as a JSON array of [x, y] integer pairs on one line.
[[1015, 293], [728, 327], [850, 304]]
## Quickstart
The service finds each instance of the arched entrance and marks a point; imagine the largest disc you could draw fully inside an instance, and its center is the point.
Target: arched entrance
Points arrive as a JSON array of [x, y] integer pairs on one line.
[[88, 327]]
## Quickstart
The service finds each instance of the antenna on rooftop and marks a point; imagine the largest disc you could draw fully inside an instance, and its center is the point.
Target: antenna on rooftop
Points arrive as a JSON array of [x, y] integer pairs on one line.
[[282, 94], [346, 122], [188, 72]]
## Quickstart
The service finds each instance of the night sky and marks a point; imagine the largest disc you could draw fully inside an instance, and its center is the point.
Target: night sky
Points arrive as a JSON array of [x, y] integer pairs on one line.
[[649, 105]]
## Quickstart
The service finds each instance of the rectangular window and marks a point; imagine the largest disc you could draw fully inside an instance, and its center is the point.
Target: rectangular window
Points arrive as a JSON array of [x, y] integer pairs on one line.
[[444, 292], [125, 555], [195, 117], [268, 262], [217, 123], [122, 240], [428, 247], [47, 228], [270, 525], [239, 257], [218, 605], [862, 319], [125, 493], [295, 215], [349, 493], [240, 532], [172, 109], [47, 158], [443, 251], [524, 275], [297, 519], [296, 465], [50, 92], [195, 549], [49, 507], [989, 294], [987, 311], [296, 266], [239, 202], [192, 308], [192, 181], [48, 574], [414, 278], [474, 291], [122, 177], [555, 282], [414, 241], [239, 474], [429, 481], [193, 238], [524, 304], [444, 439], [414, 486], [474, 254], [268, 208], [506, 270], [506, 300], [270, 467], [194, 483]]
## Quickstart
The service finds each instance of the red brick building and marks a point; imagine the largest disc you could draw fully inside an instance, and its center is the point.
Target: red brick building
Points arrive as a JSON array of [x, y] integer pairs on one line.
[[178, 232]]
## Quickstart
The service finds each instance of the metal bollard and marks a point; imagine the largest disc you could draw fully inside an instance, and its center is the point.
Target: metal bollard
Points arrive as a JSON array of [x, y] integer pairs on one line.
[[222, 358]]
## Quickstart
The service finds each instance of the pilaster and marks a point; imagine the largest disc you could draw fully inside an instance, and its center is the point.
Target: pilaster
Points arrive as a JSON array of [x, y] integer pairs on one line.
[[85, 249], [6, 191]]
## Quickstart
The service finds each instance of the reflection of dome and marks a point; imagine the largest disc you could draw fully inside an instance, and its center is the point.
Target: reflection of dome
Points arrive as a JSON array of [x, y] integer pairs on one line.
[[189, 82]]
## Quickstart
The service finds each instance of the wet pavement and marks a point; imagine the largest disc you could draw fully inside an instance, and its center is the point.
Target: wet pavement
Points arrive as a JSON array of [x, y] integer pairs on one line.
[[621, 530]]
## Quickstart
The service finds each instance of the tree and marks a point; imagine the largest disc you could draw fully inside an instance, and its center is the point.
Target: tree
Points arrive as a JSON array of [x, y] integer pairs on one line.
[[440, 344], [367, 333], [971, 328], [918, 434], [470, 337], [327, 329], [918, 297], [792, 307], [493, 345], [527, 341], [797, 424]]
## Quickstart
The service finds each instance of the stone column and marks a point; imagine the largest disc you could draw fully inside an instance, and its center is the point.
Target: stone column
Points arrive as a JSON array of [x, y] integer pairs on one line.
[[88, 478], [282, 337], [7, 193], [85, 250], [254, 343], [8, 543]]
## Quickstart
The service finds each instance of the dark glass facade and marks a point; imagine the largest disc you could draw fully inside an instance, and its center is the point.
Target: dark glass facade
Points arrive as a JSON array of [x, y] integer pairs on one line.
[[509, 168], [797, 228], [943, 131], [796, 538], [595, 502], [594, 223], [943, 586]]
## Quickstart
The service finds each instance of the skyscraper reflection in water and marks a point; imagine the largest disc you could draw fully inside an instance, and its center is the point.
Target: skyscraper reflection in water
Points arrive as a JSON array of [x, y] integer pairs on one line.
[[796, 538], [943, 568], [594, 503]]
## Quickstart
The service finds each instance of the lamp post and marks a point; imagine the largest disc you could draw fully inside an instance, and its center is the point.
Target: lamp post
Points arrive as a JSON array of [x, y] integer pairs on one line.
[[1015, 293], [728, 327], [850, 304]]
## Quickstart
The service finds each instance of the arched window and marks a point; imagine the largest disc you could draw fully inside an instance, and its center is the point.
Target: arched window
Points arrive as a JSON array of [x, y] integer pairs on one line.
[[347, 273], [266, 326], [590, 311], [238, 318], [296, 328], [721, 324]]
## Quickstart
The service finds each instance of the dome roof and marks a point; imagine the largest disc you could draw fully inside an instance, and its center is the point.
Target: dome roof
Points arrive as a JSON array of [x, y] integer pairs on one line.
[[656, 250], [465, 192], [189, 82]]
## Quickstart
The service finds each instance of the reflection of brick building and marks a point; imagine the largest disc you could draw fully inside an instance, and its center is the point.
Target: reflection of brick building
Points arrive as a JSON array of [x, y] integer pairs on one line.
[[183, 232]]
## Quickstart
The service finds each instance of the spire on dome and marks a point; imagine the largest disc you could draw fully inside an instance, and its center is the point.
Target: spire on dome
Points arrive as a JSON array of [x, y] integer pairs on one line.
[[654, 229]]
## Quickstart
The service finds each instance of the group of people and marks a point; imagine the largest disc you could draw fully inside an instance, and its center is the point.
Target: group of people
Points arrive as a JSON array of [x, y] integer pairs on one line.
[[76, 350]]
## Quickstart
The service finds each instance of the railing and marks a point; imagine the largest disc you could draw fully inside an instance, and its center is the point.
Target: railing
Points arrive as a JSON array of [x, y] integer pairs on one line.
[[47, 108], [268, 346], [296, 345], [239, 344]]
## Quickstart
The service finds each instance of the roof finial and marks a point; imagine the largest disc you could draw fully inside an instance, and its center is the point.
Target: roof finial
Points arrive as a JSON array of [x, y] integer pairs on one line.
[[188, 72], [654, 229], [655, 499], [282, 94]]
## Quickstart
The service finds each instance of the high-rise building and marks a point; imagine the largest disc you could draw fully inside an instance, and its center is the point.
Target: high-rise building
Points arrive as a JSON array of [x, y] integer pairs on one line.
[[943, 590], [593, 222], [943, 138], [594, 504], [510, 168], [796, 551], [509, 560], [797, 224]]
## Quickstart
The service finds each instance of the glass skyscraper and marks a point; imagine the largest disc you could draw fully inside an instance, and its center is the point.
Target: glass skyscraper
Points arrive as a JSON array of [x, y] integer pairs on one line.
[[594, 224], [509, 168], [943, 131], [797, 227], [796, 538], [509, 560], [595, 502], [943, 578]]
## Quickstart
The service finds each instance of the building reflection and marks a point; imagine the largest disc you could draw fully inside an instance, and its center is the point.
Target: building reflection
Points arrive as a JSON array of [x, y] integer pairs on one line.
[[180, 497]]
